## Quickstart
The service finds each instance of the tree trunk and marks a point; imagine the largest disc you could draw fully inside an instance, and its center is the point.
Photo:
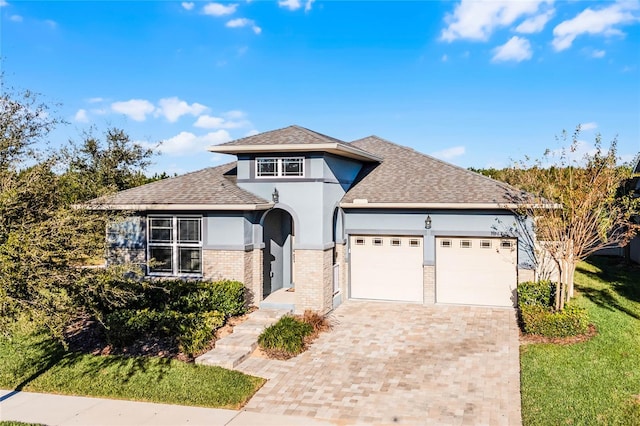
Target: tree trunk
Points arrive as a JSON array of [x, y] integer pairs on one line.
[[571, 269]]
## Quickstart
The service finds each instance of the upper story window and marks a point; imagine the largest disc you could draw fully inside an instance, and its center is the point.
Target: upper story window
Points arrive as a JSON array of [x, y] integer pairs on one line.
[[175, 245], [280, 167]]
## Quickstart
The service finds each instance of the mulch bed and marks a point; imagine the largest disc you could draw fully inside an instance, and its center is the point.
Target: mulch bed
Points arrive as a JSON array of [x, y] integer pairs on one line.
[[528, 339]]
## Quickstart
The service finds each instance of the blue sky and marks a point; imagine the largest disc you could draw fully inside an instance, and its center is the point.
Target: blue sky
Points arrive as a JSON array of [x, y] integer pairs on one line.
[[474, 83]]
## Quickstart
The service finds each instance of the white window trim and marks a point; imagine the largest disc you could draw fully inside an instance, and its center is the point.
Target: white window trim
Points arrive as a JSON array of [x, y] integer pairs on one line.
[[279, 168], [175, 246]]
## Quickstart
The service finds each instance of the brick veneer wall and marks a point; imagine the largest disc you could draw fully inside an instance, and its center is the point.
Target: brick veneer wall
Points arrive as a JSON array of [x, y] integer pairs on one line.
[[341, 258], [314, 280], [429, 283], [239, 265]]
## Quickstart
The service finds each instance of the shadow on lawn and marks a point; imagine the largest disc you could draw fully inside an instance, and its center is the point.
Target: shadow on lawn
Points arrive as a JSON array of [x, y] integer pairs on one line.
[[624, 280]]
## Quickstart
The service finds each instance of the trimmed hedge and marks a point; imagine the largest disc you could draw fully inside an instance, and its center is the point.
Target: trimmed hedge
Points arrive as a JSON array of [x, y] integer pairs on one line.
[[189, 311], [285, 338], [535, 303]]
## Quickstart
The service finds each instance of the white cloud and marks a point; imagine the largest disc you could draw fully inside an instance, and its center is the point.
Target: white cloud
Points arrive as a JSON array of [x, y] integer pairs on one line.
[[308, 4], [516, 49], [173, 108], [444, 58], [229, 120], [602, 21], [95, 100], [81, 116], [589, 126], [51, 23], [100, 111], [188, 5], [598, 53], [3, 3], [476, 20], [535, 24], [449, 153], [188, 143], [217, 9], [251, 132], [16, 18], [244, 22], [136, 109], [290, 4]]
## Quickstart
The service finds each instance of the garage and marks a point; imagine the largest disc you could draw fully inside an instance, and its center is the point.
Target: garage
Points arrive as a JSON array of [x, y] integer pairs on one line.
[[476, 271], [386, 267]]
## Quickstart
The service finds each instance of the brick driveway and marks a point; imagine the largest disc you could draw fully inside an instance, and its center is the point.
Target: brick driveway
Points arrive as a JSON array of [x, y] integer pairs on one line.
[[396, 363]]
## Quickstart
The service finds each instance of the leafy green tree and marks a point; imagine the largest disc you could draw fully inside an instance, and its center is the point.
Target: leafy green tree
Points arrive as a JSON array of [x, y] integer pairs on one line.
[[45, 242], [96, 167]]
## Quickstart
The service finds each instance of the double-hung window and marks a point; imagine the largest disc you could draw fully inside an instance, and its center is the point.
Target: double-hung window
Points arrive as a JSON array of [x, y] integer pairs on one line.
[[175, 245], [280, 167]]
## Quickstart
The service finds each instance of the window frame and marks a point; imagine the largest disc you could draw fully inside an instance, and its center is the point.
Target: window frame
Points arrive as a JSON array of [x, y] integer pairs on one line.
[[175, 245], [280, 171]]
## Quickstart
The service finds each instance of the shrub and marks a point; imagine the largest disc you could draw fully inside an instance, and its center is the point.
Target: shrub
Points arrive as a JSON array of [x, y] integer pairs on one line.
[[196, 330], [571, 321], [319, 322], [536, 293], [285, 338]]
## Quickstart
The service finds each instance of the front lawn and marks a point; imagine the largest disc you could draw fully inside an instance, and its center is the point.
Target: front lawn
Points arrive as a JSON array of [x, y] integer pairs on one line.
[[598, 381], [31, 362]]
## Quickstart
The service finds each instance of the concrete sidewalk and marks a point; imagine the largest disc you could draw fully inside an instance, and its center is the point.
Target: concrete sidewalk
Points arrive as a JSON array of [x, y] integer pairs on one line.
[[62, 410]]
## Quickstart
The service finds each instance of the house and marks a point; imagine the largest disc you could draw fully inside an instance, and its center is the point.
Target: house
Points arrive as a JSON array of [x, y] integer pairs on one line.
[[325, 220]]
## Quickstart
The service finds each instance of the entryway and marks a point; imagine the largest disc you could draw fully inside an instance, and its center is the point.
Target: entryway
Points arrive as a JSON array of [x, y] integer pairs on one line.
[[278, 251]]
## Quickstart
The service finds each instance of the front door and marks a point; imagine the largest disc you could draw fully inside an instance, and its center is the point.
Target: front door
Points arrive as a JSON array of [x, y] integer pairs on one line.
[[277, 231]]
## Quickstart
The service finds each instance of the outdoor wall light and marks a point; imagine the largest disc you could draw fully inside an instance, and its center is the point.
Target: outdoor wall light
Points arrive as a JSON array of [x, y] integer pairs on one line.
[[275, 196], [427, 222]]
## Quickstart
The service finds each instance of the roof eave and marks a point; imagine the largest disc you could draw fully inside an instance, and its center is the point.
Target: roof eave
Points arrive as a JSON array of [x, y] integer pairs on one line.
[[443, 206], [175, 207], [342, 150]]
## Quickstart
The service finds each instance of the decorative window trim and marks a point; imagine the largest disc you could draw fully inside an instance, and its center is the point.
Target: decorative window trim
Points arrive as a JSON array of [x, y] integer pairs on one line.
[[281, 170], [177, 243]]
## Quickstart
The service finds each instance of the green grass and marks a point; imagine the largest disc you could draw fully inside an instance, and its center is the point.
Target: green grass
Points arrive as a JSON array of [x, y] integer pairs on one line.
[[14, 423], [598, 381], [31, 362]]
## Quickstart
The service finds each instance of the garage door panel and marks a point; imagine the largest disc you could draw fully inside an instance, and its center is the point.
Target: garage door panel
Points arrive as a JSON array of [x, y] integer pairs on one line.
[[476, 271], [386, 271]]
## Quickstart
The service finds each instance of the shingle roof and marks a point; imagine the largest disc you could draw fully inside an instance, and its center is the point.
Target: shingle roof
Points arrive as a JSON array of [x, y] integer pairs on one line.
[[292, 135], [407, 176], [211, 186]]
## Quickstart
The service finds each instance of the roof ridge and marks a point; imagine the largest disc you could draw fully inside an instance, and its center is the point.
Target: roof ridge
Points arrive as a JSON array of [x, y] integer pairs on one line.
[[316, 134], [406, 148]]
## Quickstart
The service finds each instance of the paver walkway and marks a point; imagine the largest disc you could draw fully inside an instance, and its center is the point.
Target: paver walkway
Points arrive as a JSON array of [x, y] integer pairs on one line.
[[395, 363]]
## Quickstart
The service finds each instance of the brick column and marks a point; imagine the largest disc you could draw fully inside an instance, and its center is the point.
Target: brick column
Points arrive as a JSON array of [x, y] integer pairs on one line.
[[314, 280], [341, 258], [429, 283]]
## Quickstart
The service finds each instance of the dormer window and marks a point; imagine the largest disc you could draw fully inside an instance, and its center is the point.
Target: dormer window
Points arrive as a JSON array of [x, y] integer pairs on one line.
[[280, 167]]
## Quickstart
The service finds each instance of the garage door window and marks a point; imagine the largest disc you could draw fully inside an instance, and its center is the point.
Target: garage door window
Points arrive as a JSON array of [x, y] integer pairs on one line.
[[414, 242], [445, 243], [377, 241], [395, 242], [485, 244], [506, 244], [465, 243], [359, 241]]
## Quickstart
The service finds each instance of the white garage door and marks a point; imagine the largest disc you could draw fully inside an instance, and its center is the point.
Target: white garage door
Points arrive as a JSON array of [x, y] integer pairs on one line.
[[476, 271], [386, 268]]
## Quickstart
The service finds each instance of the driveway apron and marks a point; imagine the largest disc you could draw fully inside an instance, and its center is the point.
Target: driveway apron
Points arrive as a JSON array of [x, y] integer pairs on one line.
[[398, 363]]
